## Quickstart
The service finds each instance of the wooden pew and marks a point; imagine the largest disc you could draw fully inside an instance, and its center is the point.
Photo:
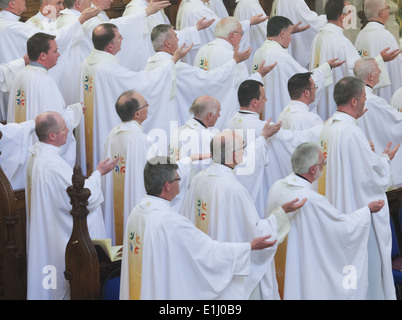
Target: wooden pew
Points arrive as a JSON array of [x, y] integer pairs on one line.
[[86, 268], [13, 262]]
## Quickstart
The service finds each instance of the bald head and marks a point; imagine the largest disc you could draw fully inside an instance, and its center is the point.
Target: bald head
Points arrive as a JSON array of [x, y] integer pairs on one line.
[[47, 123], [102, 35]]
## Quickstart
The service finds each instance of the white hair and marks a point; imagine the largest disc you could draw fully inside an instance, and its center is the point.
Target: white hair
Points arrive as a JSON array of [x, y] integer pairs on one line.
[[372, 8], [305, 156], [225, 26], [4, 4], [363, 67]]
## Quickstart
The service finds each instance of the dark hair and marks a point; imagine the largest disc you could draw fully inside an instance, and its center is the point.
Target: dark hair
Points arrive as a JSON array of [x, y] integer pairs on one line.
[[157, 171], [346, 89], [126, 106], [298, 83], [38, 43], [103, 35], [69, 3], [276, 25], [333, 9], [248, 90]]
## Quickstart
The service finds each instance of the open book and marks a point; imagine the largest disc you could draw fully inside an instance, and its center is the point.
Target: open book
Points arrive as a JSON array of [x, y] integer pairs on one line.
[[113, 252]]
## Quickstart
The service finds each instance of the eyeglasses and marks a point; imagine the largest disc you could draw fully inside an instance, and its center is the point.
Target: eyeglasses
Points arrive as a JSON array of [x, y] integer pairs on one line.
[[243, 147], [315, 87], [324, 162], [176, 179], [144, 106], [241, 33], [387, 8]]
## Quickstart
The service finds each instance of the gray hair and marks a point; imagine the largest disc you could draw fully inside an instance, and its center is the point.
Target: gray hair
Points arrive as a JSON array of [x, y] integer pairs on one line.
[[4, 3], [348, 88], [157, 171], [204, 105], [372, 8], [159, 35], [305, 156], [226, 26], [363, 67]]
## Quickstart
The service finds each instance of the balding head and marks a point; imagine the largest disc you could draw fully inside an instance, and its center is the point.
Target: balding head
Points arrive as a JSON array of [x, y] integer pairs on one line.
[[227, 148], [50, 128], [206, 109]]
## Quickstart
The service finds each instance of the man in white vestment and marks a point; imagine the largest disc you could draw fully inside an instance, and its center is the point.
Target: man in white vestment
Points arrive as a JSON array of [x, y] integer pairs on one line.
[[330, 42], [322, 242], [124, 189], [196, 134], [186, 35], [220, 206], [280, 146], [166, 257], [189, 82], [228, 35], [15, 139], [34, 91], [274, 49], [374, 38], [298, 10], [244, 10], [193, 10], [49, 222], [49, 11], [15, 34], [103, 80], [354, 176], [382, 122], [297, 114]]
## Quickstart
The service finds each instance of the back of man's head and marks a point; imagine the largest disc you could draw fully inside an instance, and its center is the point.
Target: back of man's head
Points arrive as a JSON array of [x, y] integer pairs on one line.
[[346, 89], [157, 171], [69, 3], [37, 44], [276, 25], [45, 123], [226, 26], [223, 145], [363, 67], [4, 3], [159, 35], [298, 83], [202, 106], [248, 90], [372, 8], [305, 156], [333, 9], [127, 105], [102, 35]]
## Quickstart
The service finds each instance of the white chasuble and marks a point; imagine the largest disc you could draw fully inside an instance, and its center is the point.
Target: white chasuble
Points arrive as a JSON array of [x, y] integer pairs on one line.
[[50, 223], [297, 116], [103, 81], [370, 42], [220, 206], [276, 81], [296, 11], [321, 245], [383, 123], [280, 149], [165, 257], [214, 55], [189, 83], [33, 92], [354, 176], [124, 188], [331, 43]]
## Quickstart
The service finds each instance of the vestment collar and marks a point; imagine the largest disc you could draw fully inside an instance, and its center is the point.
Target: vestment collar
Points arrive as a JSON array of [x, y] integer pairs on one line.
[[9, 15], [295, 180]]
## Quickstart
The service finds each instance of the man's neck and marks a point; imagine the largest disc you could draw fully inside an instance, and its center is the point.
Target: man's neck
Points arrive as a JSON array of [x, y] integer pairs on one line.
[[338, 23]]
